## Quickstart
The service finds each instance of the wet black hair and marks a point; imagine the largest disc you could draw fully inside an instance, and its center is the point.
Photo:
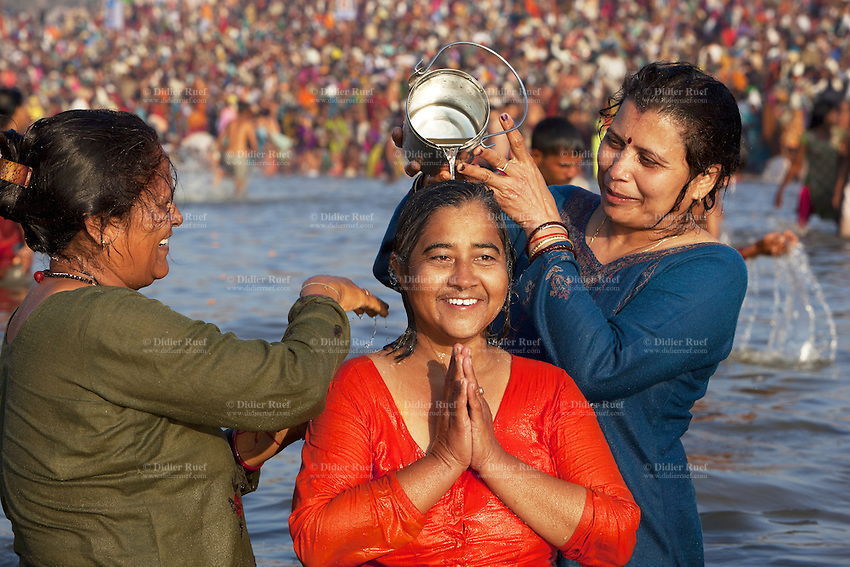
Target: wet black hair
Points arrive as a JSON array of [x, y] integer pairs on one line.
[[10, 100], [707, 116], [556, 134], [413, 219], [85, 163]]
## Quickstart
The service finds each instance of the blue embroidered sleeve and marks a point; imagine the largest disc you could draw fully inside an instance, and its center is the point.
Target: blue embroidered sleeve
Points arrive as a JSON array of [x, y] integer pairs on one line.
[[676, 317]]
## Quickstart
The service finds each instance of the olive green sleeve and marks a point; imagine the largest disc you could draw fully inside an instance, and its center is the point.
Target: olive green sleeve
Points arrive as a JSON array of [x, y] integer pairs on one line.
[[140, 354]]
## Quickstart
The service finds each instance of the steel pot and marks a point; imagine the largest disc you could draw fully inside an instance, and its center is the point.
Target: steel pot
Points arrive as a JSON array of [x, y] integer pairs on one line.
[[447, 112]]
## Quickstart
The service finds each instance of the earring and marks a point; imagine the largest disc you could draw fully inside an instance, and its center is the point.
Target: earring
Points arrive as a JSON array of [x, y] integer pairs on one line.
[[394, 280]]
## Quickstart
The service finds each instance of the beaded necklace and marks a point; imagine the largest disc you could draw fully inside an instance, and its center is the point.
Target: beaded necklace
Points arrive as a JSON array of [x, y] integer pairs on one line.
[[41, 274]]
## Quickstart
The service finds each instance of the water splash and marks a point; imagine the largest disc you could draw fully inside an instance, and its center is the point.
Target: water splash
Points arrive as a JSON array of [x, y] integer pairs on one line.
[[451, 157], [785, 319]]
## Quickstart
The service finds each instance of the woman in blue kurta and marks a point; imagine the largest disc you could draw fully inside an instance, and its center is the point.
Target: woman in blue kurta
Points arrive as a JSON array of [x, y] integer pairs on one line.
[[624, 291]]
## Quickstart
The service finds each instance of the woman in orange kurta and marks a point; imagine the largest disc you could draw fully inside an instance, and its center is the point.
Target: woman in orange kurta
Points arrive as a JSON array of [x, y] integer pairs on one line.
[[397, 473]]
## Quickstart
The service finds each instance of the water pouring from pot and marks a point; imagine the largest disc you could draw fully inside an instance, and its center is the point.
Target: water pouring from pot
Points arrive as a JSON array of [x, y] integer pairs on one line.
[[447, 112]]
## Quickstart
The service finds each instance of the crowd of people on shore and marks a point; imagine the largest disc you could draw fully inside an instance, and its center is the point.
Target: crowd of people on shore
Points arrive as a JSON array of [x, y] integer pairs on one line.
[[588, 469], [323, 87]]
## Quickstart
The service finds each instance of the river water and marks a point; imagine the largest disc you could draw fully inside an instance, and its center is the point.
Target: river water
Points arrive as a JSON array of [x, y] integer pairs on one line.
[[769, 444]]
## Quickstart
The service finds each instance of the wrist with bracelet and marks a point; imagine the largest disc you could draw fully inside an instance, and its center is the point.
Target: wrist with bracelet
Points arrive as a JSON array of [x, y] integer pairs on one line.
[[548, 224], [235, 446], [333, 289], [552, 235], [544, 242]]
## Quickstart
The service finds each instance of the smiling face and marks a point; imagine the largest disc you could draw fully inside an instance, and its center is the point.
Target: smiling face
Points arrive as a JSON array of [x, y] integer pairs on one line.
[[643, 168], [139, 251], [457, 276]]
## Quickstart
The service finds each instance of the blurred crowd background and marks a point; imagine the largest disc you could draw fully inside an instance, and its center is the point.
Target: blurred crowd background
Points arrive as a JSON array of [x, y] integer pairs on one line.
[[323, 81]]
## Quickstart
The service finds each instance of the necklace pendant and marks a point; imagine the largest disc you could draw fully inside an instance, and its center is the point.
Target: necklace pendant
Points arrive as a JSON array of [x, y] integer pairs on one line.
[[38, 276], [598, 228]]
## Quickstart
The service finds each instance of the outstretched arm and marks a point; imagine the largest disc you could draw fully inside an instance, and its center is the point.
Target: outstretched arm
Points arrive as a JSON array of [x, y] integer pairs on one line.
[[771, 244]]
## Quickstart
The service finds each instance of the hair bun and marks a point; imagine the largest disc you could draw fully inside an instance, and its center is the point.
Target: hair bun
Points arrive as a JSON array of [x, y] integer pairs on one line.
[[11, 143]]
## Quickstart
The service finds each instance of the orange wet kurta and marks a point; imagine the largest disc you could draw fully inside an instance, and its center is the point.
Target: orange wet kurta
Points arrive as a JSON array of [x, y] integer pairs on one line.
[[349, 508]]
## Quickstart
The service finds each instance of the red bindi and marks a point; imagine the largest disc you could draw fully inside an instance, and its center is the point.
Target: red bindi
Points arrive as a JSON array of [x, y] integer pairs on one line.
[[629, 141]]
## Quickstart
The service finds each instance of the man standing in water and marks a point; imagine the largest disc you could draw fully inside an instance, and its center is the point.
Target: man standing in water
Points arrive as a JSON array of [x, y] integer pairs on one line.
[[238, 144]]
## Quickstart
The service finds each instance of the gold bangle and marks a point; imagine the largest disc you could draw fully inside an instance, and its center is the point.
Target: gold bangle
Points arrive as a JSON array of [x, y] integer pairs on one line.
[[546, 242], [547, 224], [536, 241], [545, 245], [549, 231]]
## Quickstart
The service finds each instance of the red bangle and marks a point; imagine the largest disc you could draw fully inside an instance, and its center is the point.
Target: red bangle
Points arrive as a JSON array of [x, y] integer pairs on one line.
[[541, 237], [274, 438], [236, 454], [542, 243], [556, 246], [550, 223]]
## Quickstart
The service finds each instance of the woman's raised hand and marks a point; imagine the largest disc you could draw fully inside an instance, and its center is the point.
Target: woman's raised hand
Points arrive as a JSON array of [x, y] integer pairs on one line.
[[452, 443], [520, 189], [349, 295]]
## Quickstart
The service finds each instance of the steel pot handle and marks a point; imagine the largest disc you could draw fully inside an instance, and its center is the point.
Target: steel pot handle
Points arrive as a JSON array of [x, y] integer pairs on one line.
[[417, 70]]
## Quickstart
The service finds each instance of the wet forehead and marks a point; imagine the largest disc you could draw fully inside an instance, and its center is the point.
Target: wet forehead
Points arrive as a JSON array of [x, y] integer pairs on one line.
[[649, 131]]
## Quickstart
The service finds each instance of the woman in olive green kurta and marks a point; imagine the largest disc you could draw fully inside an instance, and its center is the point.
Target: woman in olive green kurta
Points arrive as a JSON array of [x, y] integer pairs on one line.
[[111, 404]]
